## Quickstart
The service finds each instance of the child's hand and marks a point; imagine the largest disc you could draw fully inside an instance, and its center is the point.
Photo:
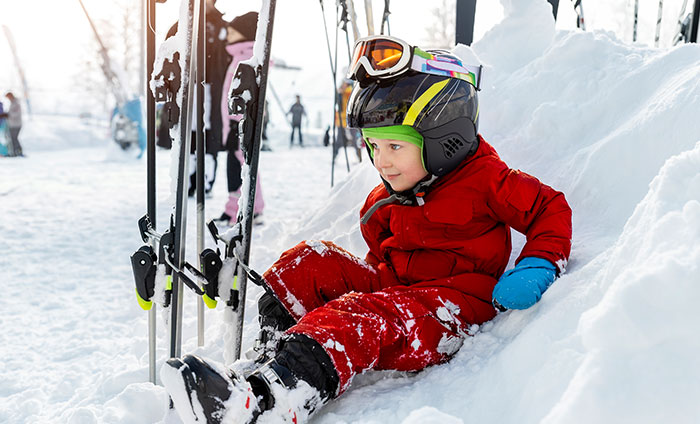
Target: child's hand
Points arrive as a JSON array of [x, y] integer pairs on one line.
[[522, 286]]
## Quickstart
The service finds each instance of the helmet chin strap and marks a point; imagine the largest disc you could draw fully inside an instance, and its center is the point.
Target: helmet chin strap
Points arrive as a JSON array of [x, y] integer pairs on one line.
[[409, 197]]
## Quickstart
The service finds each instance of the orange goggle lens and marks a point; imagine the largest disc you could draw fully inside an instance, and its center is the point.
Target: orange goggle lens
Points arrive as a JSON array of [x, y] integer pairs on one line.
[[382, 54]]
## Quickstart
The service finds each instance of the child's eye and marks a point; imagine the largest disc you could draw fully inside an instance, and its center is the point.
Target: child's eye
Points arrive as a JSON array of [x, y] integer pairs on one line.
[[395, 147], [374, 146]]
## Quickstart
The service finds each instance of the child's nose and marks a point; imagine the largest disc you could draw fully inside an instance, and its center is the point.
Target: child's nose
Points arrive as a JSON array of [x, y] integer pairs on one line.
[[381, 160]]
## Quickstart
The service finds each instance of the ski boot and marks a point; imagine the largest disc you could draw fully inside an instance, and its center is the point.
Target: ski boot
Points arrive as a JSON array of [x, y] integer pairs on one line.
[[283, 398], [274, 320], [223, 221], [204, 393], [266, 343]]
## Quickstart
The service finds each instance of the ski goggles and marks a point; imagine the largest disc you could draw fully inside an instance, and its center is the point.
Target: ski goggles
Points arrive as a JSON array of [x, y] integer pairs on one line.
[[383, 57]]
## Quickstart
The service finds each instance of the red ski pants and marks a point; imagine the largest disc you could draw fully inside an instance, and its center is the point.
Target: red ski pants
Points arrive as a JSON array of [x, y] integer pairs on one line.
[[339, 301]]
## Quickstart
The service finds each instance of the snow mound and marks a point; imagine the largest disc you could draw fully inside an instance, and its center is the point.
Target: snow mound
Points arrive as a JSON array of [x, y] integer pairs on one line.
[[637, 336]]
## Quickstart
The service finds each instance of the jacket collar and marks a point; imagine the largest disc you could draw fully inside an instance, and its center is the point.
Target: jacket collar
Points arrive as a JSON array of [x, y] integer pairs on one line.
[[416, 195]]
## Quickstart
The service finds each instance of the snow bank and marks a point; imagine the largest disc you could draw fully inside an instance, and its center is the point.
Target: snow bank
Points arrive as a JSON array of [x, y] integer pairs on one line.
[[640, 357]]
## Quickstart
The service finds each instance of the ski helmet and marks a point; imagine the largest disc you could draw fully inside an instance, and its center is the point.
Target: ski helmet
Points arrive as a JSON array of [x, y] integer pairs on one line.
[[444, 110]]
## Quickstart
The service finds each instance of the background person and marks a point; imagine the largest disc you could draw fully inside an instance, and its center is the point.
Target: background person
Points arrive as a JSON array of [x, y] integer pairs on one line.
[[14, 123], [297, 111], [240, 39]]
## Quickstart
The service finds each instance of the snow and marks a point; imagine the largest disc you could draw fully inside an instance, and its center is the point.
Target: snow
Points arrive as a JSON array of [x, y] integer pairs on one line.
[[613, 125]]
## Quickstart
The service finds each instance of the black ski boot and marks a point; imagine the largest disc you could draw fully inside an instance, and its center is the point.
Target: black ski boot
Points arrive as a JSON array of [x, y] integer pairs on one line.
[[286, 390], [274, 320], [297, 382], [204, 393]]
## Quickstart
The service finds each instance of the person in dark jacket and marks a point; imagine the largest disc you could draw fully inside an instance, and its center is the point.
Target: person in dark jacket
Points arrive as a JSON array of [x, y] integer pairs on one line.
[[216, 63], [297, 111], [438, 229]]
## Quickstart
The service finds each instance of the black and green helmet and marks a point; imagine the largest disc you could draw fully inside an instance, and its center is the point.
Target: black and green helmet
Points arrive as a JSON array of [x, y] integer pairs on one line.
[[444, 111]]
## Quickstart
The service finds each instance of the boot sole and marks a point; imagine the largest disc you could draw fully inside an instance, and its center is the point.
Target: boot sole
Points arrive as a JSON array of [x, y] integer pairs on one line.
[[180, 384]]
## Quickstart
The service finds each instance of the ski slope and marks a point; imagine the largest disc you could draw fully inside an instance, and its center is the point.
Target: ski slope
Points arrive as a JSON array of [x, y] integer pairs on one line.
[[612, 125]]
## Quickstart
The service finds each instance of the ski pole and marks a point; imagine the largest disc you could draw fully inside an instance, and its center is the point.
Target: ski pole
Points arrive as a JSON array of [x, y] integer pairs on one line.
[[580, 22], [385, 18], [636, 12], [336, 104], [353, 20], [555, 8], [279, 102], [695, 22], [658, 23], [185, 129], [344, 19], [681, 26], [151, 165], [330, 59], [201, 151]]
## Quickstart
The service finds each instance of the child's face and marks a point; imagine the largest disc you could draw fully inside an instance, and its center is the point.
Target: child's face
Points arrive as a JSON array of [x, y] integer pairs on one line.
[[398, 162]]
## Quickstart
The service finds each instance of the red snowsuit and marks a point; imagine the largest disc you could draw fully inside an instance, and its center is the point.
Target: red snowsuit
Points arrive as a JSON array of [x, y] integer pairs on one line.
[[429, 272]]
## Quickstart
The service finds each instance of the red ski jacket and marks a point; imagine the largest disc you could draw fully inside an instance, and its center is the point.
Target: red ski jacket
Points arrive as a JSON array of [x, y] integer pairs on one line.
[[464, 226]]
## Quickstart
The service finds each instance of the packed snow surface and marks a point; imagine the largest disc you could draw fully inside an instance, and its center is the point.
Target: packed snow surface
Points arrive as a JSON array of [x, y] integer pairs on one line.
[[612, 125]]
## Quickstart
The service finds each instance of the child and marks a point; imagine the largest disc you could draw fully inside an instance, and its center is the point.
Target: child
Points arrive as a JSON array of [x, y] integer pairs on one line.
[[438, 232], [240, 38]]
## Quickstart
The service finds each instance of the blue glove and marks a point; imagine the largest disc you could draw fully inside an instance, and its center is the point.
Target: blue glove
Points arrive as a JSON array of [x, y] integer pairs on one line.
[[522, 286]]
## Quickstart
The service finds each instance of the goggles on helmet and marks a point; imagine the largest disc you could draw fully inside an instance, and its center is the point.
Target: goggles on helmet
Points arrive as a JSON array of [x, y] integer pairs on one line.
[[383, 57]]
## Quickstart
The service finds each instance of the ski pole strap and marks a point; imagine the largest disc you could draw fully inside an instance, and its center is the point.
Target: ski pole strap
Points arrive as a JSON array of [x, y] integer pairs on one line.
[[256, 278], [185, 278], [188, 281]]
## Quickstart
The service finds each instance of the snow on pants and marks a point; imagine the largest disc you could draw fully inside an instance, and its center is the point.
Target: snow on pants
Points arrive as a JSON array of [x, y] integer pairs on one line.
[[339, 301]]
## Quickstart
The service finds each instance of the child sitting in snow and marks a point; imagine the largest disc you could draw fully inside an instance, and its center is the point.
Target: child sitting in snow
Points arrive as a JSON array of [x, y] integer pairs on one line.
[[438, 232]]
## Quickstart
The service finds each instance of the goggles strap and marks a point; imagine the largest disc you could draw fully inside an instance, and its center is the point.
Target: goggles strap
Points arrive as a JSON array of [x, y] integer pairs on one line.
[[429, 64]]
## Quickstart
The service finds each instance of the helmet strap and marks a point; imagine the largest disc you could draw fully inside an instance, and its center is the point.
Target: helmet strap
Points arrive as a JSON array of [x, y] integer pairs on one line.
[[412, 197]]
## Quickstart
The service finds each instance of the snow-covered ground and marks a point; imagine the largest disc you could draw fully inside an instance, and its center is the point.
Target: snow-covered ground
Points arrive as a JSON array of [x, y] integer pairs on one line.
[[613, 125]]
